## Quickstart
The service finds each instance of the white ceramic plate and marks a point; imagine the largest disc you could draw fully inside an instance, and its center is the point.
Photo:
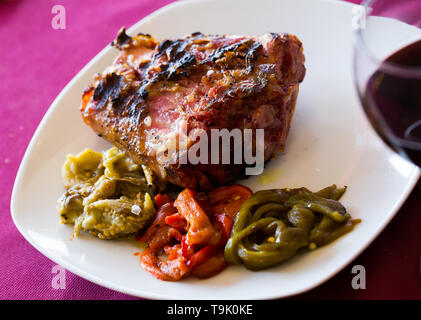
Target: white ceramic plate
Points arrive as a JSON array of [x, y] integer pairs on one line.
[[330, 142]]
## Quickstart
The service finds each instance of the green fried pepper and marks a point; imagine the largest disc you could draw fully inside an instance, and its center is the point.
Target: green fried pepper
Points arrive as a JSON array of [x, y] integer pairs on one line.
[[273, 225]]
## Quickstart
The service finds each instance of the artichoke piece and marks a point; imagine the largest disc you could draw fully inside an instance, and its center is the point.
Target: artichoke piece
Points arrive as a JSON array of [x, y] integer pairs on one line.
[[104, 188], [118, 165], [107, 194], [113, 218], [83, 167], [70, 206]]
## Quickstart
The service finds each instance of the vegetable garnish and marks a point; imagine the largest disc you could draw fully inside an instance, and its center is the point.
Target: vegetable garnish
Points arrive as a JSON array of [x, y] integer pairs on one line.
[[107, 194], [191, 232], [161, 199], [273, 225]]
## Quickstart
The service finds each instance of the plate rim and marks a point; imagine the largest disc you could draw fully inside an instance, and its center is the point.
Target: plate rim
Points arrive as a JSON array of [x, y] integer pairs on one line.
[[23, 167]]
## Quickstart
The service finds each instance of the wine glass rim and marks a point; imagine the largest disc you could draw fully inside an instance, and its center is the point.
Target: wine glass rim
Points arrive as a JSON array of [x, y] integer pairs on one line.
[[386, 66]]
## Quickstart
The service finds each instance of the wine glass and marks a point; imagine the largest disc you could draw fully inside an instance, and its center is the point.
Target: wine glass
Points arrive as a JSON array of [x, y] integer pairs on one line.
[[387, 71]]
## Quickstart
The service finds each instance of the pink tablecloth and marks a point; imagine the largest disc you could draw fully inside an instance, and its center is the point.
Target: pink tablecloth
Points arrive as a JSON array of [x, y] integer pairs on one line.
[[36, 62]]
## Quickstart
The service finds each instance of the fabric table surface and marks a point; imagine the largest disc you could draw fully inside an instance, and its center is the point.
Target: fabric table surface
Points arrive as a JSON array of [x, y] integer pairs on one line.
[[37, 61]]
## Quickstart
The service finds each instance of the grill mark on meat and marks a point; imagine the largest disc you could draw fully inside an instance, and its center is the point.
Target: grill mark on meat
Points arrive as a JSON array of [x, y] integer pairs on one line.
[[135, 106], [122, 39], [109, 86], [183, 61], [180, 63], [220, 52], [123, 96], [147, 35], [251, 56], [246, 50], [195, 34]]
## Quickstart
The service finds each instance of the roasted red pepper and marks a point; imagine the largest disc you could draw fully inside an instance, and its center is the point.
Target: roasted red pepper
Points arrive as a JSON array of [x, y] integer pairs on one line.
[[228, 200], [173, 252], [226, 224], [200, 228], [187, 250], [170, 270], [161, 199], [201, 256], [210, 267], [177, 221], [192, 231], [159, 220]]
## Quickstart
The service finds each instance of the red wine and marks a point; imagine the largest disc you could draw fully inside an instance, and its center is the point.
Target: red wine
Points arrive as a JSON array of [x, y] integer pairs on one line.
[[393, 104]]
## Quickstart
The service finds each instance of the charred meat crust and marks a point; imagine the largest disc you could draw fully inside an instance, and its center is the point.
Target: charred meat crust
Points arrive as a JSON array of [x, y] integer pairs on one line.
[[198, 82]]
